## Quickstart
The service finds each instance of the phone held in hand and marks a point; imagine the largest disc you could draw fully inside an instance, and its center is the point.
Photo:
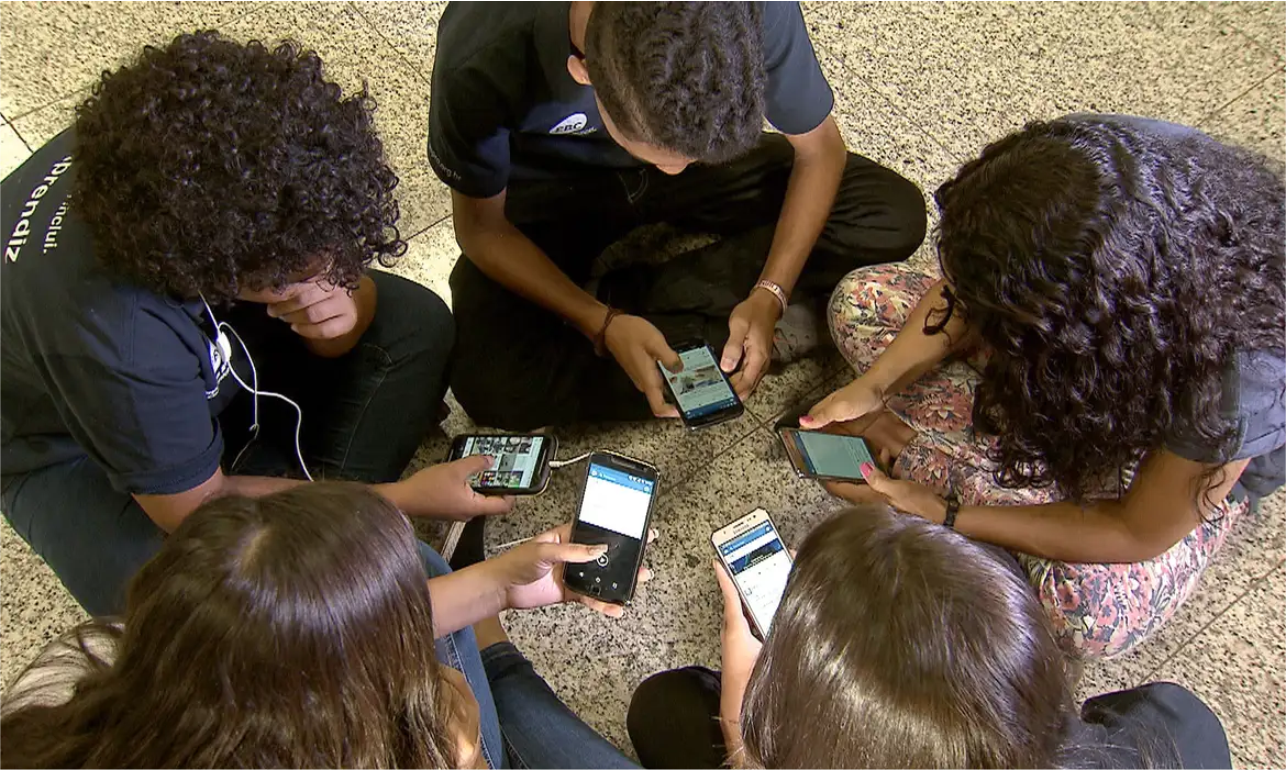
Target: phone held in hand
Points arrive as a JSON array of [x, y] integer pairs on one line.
[[615, 510], [520, 467], [752, 551], [826, 456], [701, 391]]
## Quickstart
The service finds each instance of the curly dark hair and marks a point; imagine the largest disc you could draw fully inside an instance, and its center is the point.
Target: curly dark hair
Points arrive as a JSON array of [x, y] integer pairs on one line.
[[1115, 273], [688, 77], [209, 166]]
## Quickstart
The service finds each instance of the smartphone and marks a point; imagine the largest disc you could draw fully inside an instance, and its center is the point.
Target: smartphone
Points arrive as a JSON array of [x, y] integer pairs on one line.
[[826, 456], [521, 464], [701, 391], [615, 510], [756, 558]]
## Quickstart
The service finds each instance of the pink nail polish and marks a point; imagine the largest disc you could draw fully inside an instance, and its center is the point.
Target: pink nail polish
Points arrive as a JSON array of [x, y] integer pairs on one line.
[[866, 469]]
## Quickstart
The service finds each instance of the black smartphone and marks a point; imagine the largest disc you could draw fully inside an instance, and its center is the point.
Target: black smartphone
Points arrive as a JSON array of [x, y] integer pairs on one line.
[[826, 456], [521, 464], [755, 556], [615, 510], [701, 391]]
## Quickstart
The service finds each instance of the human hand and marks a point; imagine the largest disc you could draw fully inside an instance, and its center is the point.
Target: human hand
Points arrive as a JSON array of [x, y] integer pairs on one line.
[[528, 571], [750, 333], [854, 401], [740, 648], [444, 491], [316, 309], [637, 345], [906, 496]]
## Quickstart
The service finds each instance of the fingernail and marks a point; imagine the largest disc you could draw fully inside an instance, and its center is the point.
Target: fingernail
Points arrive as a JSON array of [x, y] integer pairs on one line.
[[867, 469], [599, 550]]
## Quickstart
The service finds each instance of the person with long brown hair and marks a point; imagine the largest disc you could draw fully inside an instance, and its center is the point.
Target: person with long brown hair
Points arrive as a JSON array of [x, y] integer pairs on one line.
[[296, 630], [899, 643], [1097, 379]]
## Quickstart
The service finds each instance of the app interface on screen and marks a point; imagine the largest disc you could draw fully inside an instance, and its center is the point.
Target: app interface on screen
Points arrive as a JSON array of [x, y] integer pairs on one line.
[[515, 460], [831, 455], [700, 388], [616, 501], [759, 563]]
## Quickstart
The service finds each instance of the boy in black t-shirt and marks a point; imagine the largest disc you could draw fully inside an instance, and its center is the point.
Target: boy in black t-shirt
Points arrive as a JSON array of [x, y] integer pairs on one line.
[[206, 228], [563, 126]]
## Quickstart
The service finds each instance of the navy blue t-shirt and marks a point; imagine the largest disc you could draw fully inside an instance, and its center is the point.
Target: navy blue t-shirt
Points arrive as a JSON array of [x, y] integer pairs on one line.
[[93, 366], [505, 107]]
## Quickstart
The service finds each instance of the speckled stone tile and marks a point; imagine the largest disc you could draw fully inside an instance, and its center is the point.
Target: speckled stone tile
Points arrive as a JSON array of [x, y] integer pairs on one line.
[[971, 72], [804, 381], [429, 258], [34, 606], [1235, 665], [410, 27], [52, 49], [1265, 23], [13, 151], [1255, 120], [43, 124], [354, 54]]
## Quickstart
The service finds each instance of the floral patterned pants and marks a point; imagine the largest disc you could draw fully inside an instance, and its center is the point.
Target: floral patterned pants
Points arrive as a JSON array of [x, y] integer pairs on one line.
[[1097, 610]]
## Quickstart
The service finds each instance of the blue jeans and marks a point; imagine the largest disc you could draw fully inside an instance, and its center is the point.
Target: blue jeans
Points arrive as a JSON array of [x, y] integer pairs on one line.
[[539, 730], [365, 413]]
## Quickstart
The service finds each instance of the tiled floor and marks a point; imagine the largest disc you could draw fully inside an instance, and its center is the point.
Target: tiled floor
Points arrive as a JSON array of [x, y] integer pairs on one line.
[[920, 87]]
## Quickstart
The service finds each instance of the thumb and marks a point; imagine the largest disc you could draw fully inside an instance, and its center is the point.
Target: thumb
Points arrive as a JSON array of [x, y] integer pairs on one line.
[[666, 355], [875, 478], [737, 330], [474, 464], [575, 553], [829, 410]]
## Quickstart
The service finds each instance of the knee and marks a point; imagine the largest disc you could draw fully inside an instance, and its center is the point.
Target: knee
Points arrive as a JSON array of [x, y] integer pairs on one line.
[[411, 320], [886, 208], [494, 392], [652, 700]]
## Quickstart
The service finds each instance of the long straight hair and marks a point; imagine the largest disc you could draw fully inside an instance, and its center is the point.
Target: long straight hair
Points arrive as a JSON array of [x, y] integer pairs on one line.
[[900, 643], [293, 630]]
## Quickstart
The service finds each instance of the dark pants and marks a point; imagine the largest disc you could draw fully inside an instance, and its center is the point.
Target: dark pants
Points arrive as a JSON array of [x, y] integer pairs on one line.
[[520, 366], [674, 719], [365, 414]]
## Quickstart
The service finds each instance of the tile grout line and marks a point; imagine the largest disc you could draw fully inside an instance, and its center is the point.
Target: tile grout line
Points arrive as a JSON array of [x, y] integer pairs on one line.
[[357, 9], [1277, 71], [1254, 586]]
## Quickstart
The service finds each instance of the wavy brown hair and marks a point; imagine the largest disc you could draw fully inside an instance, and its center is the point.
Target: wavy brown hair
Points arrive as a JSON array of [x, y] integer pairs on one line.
[[1115, 273], [292, 630], [210, 166]]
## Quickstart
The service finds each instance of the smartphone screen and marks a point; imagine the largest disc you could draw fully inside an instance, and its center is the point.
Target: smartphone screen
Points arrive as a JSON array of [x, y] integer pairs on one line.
[[615, 509], [700, 391], [828, 455], [519, 461], [757, 559]]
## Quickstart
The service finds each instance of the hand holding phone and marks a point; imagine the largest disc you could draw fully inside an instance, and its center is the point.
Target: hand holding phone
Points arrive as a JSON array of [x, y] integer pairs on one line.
[[519, 466], [637, 346], [615, 510], [757, 562], [702, 391], [826, 456]]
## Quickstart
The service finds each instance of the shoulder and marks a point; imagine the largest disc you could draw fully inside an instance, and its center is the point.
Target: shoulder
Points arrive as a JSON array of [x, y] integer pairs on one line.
[[488, 38], [1159, 724]]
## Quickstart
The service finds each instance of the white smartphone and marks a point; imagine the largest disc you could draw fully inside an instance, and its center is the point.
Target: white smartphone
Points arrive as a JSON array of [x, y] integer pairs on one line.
[[753, 553]]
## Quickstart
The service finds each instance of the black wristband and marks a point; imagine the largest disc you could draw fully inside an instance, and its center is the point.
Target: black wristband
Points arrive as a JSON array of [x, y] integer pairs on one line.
[[953, 507]]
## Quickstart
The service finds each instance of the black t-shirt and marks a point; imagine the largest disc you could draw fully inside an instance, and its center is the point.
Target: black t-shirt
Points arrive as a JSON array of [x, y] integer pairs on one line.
[[94, 366], [1156, 725], [505, 107]]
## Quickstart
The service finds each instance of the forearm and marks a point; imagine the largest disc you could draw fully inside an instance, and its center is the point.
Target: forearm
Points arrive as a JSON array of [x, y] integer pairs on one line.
[[1098, 533], [509, 258], [366, 299], [913, 352], [169, 511], [810, 195], [465, 597]]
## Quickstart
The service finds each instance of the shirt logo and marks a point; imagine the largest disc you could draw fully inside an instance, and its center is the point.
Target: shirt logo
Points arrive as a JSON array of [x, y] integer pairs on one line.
[[220, 361], [571, 124]]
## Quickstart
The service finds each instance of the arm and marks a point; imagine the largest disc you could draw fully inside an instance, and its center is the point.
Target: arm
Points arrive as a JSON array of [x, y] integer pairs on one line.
[[509, 258], [168, 511], [1156, 512], [814, 180]]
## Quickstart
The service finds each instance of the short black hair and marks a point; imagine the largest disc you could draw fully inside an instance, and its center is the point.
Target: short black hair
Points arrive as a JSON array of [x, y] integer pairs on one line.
[[688, 77], [211, 166]]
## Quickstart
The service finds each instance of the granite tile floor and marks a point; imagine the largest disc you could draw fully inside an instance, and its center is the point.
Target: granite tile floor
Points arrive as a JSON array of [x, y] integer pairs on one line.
[[920, 87]]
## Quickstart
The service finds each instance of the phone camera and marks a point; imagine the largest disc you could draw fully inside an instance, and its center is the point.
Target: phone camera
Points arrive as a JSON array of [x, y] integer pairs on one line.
[[594, 589]]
